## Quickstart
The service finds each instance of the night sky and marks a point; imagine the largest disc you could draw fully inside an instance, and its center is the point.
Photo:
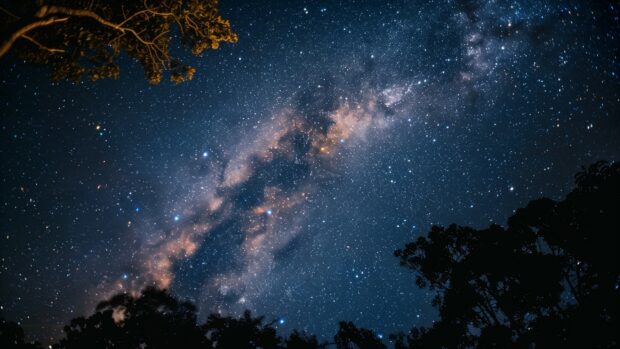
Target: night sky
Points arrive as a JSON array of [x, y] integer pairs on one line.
[[282, 178]]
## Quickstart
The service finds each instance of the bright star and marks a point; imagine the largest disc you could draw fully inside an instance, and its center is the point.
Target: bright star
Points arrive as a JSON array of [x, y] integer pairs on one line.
[[176, 218], [281, 322]]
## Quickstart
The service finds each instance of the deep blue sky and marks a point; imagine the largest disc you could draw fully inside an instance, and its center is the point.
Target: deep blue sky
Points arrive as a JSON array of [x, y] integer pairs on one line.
[[430, 112]]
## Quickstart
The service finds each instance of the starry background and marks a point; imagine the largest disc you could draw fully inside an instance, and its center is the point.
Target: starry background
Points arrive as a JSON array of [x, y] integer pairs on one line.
[[282, 178]]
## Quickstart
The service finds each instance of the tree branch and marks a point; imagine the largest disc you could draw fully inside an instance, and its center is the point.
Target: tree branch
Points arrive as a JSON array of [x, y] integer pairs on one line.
[[6, 46], [41, 46], [9, 12], [151, 46], [50, 10]]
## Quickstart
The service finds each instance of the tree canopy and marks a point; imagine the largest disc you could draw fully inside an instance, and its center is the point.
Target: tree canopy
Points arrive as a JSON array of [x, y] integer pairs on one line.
[[549, 279], [156, 319], [85, 38], [12, 336]]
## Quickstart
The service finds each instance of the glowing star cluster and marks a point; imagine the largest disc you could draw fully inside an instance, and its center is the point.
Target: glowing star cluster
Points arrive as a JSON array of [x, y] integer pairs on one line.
[[291, 140]]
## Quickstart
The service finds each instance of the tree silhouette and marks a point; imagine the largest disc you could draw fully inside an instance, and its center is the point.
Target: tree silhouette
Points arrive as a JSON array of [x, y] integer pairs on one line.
[[12, 336], [243, 333], [154, 320], [299, 340], [351, 337], [550, 278], [85, 38]]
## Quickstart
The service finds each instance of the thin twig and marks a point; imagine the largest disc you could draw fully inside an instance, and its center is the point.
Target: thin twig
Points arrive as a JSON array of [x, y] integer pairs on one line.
[[41, 46], [9, 12], [4, 48]]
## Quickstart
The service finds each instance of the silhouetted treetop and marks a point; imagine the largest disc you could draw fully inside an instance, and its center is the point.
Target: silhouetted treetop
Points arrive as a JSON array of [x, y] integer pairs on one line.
[[243, 333], [351, 337], [154, 319], [300, 340], [85, 38], [12, 336], [550, 278]]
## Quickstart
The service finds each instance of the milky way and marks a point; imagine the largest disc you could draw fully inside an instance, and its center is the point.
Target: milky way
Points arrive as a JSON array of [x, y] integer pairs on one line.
[[282, 178], [265, 186]]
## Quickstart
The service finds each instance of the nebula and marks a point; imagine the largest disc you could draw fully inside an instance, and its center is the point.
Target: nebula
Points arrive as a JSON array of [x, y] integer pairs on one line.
[[308, 147]]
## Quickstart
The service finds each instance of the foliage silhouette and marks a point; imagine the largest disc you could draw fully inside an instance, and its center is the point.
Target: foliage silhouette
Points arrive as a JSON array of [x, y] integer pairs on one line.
[[12, 336], [549, 279], [351, 337], [298, 340], [154, 319], [85, 38], [243, 333]]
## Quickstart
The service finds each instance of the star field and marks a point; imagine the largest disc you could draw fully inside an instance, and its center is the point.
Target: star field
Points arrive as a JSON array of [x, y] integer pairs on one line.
[[282, 178]]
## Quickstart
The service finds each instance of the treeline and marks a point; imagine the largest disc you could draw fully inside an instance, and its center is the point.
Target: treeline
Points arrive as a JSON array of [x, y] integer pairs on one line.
[[155, 319], [549, 278]]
